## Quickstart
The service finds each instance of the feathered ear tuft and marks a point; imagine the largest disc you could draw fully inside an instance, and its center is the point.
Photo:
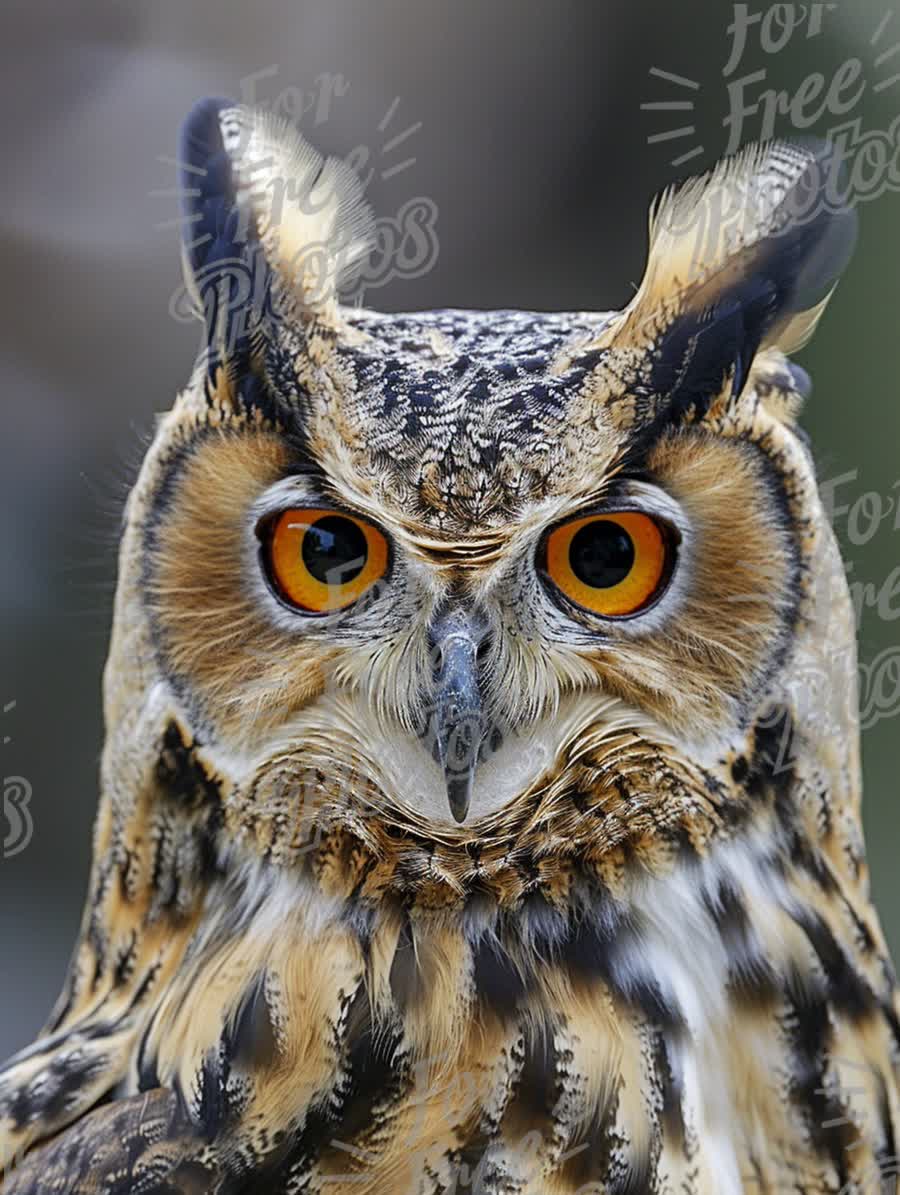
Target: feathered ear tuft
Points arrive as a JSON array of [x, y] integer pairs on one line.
[[741, 259], [270, 225]]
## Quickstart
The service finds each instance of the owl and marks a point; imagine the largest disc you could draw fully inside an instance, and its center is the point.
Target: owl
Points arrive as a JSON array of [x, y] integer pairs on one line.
[[480, 801]]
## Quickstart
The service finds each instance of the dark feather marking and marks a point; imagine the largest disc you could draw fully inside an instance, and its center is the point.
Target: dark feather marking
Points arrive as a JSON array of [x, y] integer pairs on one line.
[[181, 775], [251, 1041], [886, 1159], [378, 1073], [595, 950], [499, 983], [829, 1127], [147, 1071], [645, 993], [377, 1076], [404, 977], [751, 977], [679, 836], [125, 961], [739, 770], [592, 1164], [593, 935], [542, 925], [771, 770], [247, 1040], [212, 1109], [60, 1090], [637, 1178], [809, 859], [847, 990], [668, 1073], [530, 1108]]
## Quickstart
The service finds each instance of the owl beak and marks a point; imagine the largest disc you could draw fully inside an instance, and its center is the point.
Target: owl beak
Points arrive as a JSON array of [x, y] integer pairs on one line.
[[459, 720]]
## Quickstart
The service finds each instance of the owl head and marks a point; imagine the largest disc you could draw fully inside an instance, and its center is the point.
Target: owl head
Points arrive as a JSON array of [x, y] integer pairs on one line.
[[407, 574]]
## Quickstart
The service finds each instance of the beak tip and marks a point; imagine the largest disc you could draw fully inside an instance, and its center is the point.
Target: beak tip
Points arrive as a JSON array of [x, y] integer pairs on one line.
[[459, 796]]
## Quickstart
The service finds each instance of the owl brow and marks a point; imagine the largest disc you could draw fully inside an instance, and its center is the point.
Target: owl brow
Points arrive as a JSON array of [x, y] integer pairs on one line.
[[618, 485], [301, 462], [305, 469], [633, 464], [459, 553], [614, 477]]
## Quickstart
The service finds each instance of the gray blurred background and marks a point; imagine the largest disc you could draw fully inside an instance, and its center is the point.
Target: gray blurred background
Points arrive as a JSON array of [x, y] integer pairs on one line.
[[529, 137]]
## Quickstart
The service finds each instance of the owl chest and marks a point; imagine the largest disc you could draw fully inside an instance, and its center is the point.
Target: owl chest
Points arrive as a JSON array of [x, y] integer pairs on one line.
[[673, 1032], [420, 1051]]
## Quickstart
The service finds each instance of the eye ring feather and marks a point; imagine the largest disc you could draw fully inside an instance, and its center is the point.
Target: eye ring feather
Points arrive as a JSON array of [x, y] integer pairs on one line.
[[613, 565]]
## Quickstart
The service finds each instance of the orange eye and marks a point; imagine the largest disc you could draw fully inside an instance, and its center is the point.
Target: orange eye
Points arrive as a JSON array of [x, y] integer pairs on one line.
[[611, 565], [321, 560]]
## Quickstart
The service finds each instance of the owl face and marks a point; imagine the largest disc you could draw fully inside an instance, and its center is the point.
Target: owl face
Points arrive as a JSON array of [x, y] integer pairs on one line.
[[460, 587], [430, 551]]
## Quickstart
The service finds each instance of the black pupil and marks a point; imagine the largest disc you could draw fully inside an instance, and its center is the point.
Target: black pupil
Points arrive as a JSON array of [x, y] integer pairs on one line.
[[601, 554], [334, 550]]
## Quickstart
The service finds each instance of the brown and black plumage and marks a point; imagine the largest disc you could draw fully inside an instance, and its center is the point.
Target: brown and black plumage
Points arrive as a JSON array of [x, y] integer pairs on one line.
[[480, 800]]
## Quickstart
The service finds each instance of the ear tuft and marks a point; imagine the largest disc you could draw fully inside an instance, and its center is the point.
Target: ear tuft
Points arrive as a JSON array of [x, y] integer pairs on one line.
[[265, 216], [741, 259], [766, 218]]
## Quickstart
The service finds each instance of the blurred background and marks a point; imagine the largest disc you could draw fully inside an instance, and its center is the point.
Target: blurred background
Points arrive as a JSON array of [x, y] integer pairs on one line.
[[523, 124]]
